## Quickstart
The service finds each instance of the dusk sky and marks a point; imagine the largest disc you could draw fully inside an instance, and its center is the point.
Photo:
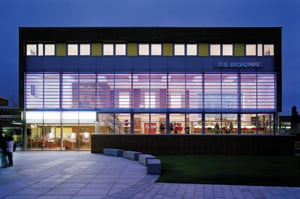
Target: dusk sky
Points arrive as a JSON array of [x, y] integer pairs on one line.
[[152, 13]]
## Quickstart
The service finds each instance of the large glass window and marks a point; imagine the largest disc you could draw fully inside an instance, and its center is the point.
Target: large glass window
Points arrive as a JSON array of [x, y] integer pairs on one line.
[[194, 91], [229, 123], [70, 88], [87, 91], [141, 91], [266, 91], [122, 123], [193, 123], [177, 123], [123, 91], [248, 123], [229, 91], [177, 91], [212, 90], [248, 91], [106, 90], [213, 123], [51, 90], [158, 85], [34, 90]]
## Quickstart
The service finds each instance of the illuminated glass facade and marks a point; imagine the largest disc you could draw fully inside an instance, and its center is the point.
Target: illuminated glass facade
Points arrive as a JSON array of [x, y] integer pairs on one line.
[[141, 82]]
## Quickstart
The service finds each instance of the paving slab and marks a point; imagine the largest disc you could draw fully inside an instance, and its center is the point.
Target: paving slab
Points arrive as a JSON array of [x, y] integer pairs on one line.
[[83, 175]]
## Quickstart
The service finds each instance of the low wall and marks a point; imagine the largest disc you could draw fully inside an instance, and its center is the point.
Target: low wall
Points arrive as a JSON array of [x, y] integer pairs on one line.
[[197, 144]]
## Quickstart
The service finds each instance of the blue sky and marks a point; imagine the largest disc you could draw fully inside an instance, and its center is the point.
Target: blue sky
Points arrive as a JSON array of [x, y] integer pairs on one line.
[[139, 13]]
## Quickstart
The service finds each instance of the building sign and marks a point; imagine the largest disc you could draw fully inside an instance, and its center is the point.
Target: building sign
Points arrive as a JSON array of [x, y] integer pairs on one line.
[[235, 64]]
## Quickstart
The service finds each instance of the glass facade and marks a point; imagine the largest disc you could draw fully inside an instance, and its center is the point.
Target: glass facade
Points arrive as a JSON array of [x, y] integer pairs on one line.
[[144, 104], [152, 83]]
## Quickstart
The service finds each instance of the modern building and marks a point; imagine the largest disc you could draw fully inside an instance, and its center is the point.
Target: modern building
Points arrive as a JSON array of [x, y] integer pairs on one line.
[[75, 82]]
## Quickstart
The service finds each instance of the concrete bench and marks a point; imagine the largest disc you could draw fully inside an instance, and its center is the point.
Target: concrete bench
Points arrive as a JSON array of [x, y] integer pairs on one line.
[[143, 158], [131, 155], [113, 152], [153, 167]]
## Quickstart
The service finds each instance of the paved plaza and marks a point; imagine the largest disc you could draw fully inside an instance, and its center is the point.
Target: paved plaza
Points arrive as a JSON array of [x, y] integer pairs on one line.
[[72, 174]]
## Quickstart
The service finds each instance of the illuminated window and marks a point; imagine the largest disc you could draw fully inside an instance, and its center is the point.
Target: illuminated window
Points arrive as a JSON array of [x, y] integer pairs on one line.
[[149, 100], [250, 49], [40, 49], [85, 49], [259, 49], [120, 49], [179, 49], [143, 49], [124, 100], [155, 49], [227, 50], [49, 49], [269, 50], [108, 49], [215, 49], [73, 49], [191, 49], [31, 49]]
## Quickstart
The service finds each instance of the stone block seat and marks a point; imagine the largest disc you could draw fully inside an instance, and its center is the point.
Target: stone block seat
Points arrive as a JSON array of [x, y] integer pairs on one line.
[[143, 158], [131, 155], [113, 152], [153, 167]]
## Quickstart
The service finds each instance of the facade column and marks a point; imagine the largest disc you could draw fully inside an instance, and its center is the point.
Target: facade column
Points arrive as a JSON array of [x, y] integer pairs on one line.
[[203, 123], [168, 123], [131, 123], [239, 123]]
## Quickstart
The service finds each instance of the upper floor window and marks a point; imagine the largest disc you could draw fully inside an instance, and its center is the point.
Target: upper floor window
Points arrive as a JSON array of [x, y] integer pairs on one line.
[[227, 49], [156, 49], [31, 49], [215, 49], [49, 49], [40, 49], [179, 49], [73, 49], [250, 49], [120, 49], [268, 50], [85, 49], [191, 49], [143, 49], [108, 49]]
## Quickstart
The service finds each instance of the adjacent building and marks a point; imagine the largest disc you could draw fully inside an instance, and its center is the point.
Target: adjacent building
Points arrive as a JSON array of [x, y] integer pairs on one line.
[[75, 82]]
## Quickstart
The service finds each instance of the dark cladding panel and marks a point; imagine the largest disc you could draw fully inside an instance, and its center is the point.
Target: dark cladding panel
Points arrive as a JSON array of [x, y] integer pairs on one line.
[[158, 64], [141, 64], [176, 64], [87, 64]]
